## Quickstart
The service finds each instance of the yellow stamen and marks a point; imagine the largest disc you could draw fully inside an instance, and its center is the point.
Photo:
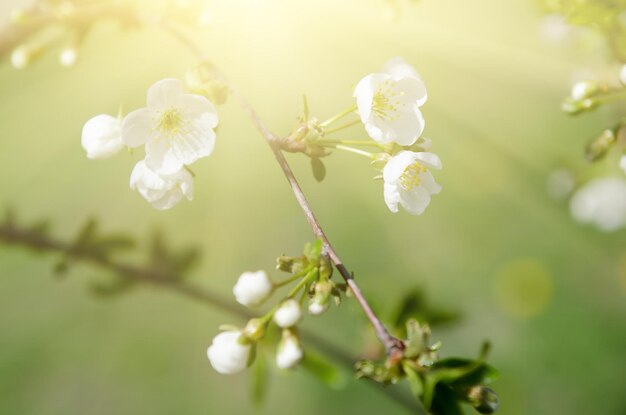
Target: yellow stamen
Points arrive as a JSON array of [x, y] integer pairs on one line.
[[170, 122], [410, 178], [386, 102]]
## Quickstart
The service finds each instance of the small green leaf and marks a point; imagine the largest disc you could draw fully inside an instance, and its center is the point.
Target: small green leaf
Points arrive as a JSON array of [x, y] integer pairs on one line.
[[445, 402], [259, 381], [415, 382], [319, 170], [323, 370]]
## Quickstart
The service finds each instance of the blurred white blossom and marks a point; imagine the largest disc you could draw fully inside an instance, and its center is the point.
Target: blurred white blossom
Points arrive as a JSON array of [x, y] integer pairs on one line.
[[622, 163], [252, 288], [388, 103], [101, 137], [229, 353], [176, 128], [602, 203], [161, 191], [408, 181]]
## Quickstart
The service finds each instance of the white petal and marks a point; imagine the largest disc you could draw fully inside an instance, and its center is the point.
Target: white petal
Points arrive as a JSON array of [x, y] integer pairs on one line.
[[407, 127], [428, 182], [364, 93], [397, 164], [415, 200], [398, 68], [138, 127], [165, 94], [431, 160], [391, 195], [161, 157], [414, 90], [197, 142], [194, 106]]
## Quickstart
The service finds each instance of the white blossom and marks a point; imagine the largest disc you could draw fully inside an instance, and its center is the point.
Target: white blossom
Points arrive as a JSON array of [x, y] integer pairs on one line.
[[388, 103], [288, 314], [161, 191], [602, 203], [408, 181], [102, 137], [290, 351], [227, 354], [252, 288], [176, 128]]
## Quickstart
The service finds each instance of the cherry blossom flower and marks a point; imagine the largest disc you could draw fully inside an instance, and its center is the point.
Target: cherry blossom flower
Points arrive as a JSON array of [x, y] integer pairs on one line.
[[161, 191], [602, 203], [388, 103], [176, 128], [408, 181]]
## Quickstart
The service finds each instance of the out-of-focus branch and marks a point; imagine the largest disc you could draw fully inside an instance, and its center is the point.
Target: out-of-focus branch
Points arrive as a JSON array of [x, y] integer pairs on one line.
[[35, 240]]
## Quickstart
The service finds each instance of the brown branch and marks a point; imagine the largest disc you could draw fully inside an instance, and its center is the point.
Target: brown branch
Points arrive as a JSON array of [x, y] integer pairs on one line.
[[393, 346], [39, 242]]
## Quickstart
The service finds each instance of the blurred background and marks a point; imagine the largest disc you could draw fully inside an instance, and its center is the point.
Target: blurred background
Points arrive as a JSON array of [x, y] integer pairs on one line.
[[547, 292]]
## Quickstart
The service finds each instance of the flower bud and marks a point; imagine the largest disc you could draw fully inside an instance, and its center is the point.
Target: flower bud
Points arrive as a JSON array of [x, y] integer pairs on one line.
[[68, 56], [24, 55], [290, 351], [255, 329], [288, 314], [252, 288], [599, 146], [284, 263], [483, 399], [321, 299], [102, 136], [229, 353], [584, 89]]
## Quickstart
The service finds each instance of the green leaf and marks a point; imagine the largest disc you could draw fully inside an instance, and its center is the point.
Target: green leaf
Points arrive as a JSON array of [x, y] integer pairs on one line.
[[319, 170], [445, 402], [259, 381], [415, 382], [323, 370]]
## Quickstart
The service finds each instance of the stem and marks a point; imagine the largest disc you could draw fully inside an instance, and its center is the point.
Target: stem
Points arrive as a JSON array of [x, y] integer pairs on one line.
[[393, 346], [341, 127], [339, 116], [351, 150], [292, 278], [37, 242], [364, 143]]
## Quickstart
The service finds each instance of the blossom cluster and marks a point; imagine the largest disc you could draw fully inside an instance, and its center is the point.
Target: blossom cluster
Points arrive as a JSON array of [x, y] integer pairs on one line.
[[235, 348], [388, 104], [175, 128]]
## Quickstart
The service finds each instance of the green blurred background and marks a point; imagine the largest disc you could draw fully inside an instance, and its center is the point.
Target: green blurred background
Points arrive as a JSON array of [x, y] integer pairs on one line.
[[548, 293]]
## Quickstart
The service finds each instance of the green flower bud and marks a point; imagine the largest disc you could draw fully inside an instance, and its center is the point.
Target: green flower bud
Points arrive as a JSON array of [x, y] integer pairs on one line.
[[598, 147], [483, 399], [254, 330], [284, 263]]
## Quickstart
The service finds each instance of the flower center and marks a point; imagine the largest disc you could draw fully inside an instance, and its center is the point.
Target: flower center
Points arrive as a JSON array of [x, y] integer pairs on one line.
[[170, 122], [410, 178], [386, 103]]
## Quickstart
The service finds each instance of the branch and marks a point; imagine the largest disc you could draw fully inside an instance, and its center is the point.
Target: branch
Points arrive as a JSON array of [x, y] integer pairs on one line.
[[393, 346], [36, 240]]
